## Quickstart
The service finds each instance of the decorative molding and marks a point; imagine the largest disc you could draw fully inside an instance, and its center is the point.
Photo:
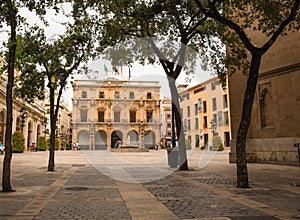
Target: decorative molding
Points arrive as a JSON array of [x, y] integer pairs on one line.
[[280, 71]]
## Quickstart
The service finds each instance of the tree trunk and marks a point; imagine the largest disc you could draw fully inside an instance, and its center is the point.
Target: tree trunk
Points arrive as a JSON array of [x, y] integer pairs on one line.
[[51, 163], [6, 184], [182, 156], [241, 162]]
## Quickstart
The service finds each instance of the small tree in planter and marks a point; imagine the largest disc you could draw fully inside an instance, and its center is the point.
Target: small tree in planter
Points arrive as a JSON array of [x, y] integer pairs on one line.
[[188, 144], [42, 144], [217, 144], [18, 142]]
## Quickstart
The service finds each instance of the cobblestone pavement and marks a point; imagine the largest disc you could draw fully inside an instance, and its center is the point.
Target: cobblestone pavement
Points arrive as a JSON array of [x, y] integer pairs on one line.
[[102, 185]]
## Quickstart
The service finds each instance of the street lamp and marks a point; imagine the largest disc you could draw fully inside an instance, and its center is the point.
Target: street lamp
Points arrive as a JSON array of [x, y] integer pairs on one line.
[[141, 131], [23, 116], [45, 126]]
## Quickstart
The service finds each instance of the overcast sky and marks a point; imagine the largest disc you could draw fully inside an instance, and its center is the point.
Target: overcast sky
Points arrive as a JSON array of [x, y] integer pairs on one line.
[[138, 72]]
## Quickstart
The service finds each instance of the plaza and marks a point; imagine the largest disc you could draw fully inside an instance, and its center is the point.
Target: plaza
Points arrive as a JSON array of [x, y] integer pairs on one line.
[[116, 185]]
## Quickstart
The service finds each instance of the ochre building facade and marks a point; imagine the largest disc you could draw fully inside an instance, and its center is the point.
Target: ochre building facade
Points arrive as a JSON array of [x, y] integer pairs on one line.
[[112, 113], [275, 120]]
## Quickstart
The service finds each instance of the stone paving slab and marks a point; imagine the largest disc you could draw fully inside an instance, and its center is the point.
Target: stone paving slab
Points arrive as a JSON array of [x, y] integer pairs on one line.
[[87, 185]]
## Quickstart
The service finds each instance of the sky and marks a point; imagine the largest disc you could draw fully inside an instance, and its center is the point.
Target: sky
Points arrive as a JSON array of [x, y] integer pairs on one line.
[[138, 71]]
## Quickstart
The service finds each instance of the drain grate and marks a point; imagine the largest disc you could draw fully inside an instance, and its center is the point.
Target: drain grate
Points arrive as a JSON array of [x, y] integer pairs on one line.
[[76, 188]]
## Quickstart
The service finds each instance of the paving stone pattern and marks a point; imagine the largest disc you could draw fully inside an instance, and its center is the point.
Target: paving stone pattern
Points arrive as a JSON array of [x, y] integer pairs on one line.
[[97, 197], [188, 201]]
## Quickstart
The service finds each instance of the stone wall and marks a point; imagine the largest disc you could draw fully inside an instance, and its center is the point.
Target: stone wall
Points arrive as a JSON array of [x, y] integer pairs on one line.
[[269, 150]]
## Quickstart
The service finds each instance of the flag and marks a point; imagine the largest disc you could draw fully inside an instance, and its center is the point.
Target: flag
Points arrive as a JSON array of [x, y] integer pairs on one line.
[[129, 72], [116, 70], [105, 69]]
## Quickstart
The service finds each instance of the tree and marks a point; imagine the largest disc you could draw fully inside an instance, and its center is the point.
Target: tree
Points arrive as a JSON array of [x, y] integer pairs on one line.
[[9, 16], [271, 18], [155, 31], [43, 60]]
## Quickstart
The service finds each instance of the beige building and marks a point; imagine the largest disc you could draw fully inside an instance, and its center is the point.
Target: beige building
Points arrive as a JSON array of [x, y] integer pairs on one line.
[[27, 118], [112, 113], [205, 113], [166, 119], [275, 121]]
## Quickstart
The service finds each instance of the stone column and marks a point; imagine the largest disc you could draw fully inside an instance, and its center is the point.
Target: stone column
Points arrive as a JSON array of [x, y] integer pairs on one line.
[[108, 138]]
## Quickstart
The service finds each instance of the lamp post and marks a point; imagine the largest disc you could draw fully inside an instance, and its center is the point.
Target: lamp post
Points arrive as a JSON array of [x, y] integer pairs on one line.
[[213, 127], [45, 126], [141, 131], [23, 117], [213, 131]]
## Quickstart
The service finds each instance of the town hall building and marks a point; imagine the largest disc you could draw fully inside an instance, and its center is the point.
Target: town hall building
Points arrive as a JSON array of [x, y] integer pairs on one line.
[[114, 113]]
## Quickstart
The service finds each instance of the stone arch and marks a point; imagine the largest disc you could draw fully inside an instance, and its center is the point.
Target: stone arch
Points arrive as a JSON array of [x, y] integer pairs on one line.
[[100, 140], [149, 138], [116, 138], [84, 140], [132, 138]]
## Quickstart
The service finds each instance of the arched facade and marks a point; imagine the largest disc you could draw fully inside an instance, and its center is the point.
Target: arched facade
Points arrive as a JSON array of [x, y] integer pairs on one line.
[[101, 140], [84, 140], [116, 112], [149, 139]]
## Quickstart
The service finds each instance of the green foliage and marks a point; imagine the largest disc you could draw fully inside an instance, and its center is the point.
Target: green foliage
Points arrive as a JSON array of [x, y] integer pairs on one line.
[[217, 144], [188, 145], [42, 144], [18, 142], [68, 146], [57, 144]]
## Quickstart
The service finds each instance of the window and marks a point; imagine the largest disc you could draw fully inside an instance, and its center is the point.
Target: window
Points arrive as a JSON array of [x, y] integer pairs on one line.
[[101, 95], [101, 116], [83, 115], [131, 95], [149, 95], [213, 86], [204, 107], [196, 124], [225, 102], [83, 94], [188, 111], [220, 118], [197, 140], [181, 112], [117, 95], [215, 119], [266, 111], [205, 122], [200, 104], [214, 102], [169, 125], [226, 118], [189, 124], [149, 116], [132, 115], [117, 117], [196, 109], [168, 116]]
